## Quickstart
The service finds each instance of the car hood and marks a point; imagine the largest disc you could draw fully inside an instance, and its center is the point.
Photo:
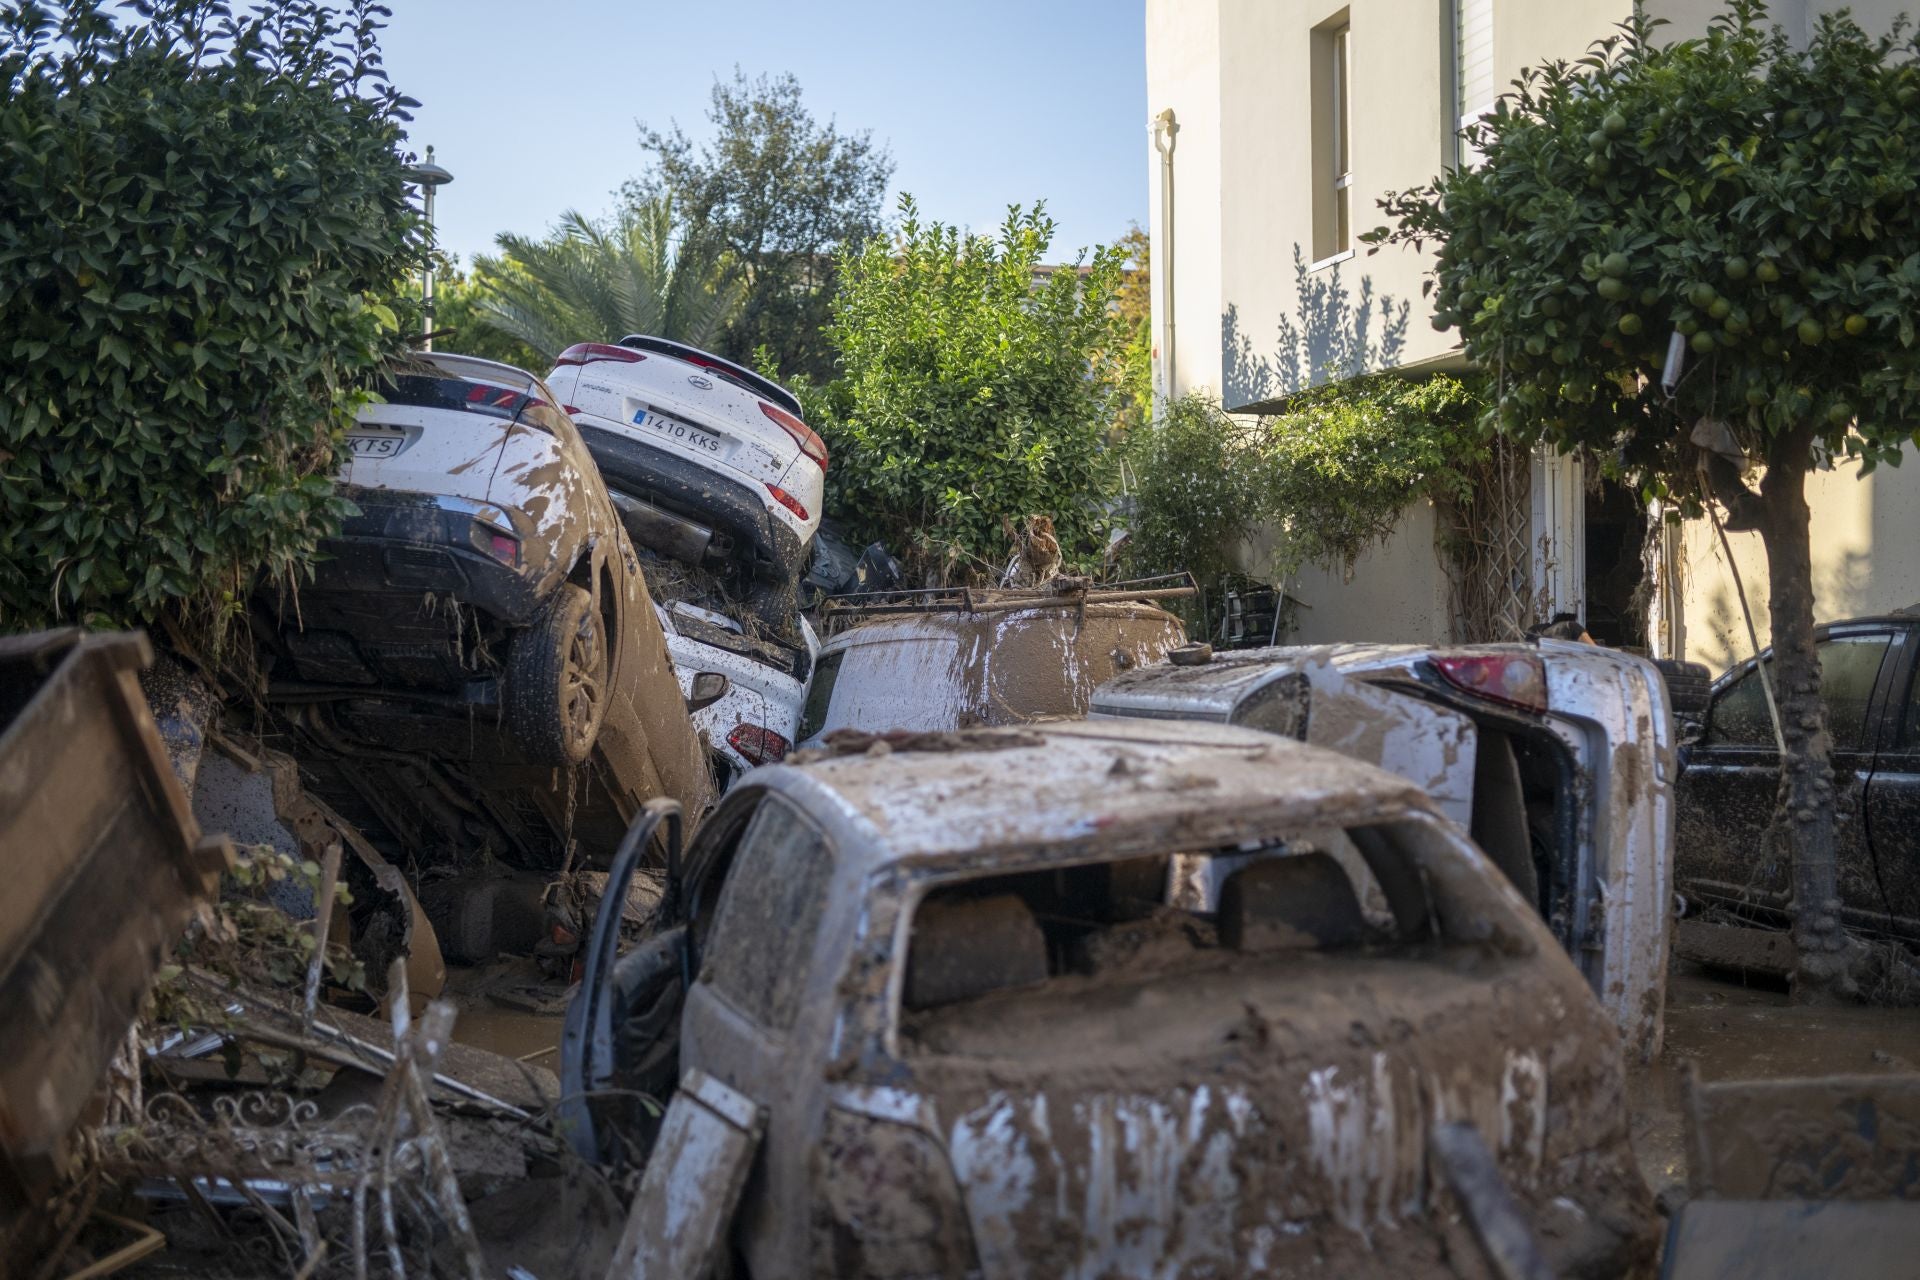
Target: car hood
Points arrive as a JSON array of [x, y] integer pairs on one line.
[[1266, 1113]]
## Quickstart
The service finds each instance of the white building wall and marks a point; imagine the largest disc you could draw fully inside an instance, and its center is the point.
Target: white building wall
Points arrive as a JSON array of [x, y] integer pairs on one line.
[[1256, 318]]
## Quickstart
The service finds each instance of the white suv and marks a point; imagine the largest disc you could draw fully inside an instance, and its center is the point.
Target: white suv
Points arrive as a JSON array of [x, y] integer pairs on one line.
[[708, 462]]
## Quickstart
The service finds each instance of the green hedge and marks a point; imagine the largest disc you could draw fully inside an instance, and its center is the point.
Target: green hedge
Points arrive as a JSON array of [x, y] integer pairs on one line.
[[198, 214]]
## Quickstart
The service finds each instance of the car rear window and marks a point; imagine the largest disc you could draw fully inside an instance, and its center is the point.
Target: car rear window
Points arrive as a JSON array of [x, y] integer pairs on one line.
[[1331, 890], [429, 392], [813, 717]]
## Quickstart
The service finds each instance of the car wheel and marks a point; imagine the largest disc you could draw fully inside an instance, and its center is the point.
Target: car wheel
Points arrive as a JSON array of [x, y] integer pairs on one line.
[[556, 686], [1689, 686]]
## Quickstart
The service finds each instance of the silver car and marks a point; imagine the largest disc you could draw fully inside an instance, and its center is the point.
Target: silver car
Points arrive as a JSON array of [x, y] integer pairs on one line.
[[1559, 758], [1095, 998]]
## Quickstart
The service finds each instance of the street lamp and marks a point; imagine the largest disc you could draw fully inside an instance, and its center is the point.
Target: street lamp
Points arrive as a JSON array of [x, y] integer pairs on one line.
[[427, 176]]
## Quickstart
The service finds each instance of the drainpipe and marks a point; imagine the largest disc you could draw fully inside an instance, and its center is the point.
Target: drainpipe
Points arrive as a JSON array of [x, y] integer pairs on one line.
[[1164, 130]]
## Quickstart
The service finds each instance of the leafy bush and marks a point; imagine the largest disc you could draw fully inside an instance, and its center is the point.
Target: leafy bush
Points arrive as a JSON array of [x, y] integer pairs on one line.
[[968, 392], [1332, 476], [1197, 492], [1342, 465], [196, 212]]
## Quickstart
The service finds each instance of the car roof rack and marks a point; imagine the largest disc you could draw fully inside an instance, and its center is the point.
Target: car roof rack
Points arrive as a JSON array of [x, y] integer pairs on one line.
[[747, 378], [1061, 593]]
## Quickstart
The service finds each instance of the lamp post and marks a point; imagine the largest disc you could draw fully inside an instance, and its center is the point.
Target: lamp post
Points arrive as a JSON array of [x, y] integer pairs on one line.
[[427, 176]]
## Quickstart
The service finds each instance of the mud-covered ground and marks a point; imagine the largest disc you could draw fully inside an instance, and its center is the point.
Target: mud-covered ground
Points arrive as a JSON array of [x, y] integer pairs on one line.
[[1729, 1030]]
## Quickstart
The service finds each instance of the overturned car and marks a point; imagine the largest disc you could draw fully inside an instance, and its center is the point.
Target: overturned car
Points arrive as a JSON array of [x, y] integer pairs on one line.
[[1558, 758], [1093, 999], [476, 664]]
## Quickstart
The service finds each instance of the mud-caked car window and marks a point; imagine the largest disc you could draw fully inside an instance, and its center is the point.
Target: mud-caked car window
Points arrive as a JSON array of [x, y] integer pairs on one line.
[[1370, 894], [826, 672], [776, 887], [1849, 667]]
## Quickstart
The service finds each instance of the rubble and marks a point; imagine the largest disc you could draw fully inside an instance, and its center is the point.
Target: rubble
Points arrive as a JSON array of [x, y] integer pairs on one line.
[[96, 830]]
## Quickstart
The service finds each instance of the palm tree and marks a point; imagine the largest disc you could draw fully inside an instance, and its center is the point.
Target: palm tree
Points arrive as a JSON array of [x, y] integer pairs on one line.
[[596, 282]]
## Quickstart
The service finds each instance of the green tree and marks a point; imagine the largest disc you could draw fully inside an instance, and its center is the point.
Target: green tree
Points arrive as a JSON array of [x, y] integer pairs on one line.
[[196, 212], [1133, 309], [461, 327], [1763, 202], [968, 392], [782, 194], [644, 272], [1197, 493]]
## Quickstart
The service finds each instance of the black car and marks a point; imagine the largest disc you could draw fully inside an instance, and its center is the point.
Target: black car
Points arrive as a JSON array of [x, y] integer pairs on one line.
[[1730, 772]]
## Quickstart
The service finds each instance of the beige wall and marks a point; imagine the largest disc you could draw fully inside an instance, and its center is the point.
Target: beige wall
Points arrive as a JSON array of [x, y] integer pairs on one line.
[[1255, 318], [1398, 593], [1864, 535]]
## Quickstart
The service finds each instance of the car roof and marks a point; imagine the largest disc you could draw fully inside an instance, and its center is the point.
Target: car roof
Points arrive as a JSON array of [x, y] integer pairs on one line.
[[750, 381], [474, 369], [1181, 784]]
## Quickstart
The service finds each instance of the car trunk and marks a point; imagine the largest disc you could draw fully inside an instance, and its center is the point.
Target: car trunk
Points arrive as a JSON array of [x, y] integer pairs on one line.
[[416, 449], [1233, 1113]]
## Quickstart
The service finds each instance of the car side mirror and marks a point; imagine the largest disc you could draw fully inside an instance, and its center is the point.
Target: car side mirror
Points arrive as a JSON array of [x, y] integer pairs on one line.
[[1690, 729], [708, 688]]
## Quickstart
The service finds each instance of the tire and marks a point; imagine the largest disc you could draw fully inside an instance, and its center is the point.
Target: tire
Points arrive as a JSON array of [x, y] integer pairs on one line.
[[1689, 684], [556, 681]]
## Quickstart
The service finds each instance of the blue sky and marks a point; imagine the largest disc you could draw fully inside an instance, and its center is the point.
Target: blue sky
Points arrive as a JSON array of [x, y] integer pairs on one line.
[[983, 103]]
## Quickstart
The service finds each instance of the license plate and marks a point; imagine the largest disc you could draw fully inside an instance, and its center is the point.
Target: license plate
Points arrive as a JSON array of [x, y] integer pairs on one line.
[[375, 444], [705, 441]]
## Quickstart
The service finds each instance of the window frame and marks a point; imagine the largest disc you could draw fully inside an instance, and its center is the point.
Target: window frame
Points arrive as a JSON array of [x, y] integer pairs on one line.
[[1330, 115], [1461, 112]]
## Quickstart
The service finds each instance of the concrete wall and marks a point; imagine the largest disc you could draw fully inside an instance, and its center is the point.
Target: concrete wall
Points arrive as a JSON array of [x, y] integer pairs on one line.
[[1864, 533], [1398, 593]]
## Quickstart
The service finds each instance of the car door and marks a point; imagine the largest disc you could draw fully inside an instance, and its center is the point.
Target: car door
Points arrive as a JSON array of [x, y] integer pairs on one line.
[[747, 1023], [1893, 794], [1728, 784]]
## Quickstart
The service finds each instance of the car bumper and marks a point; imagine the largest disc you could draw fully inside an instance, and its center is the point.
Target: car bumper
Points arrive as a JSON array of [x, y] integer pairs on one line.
[[420, 545], [699, 493]]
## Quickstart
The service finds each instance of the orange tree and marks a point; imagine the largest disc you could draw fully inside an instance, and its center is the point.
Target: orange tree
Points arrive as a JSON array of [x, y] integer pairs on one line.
[[1762, 202]]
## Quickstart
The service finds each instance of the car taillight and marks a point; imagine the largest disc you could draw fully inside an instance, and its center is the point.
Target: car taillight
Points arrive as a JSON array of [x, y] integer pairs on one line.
[[506, 550], [570, 409], [788, 501], [588, 352], [803, 435], [759, 746], [1515, 679]]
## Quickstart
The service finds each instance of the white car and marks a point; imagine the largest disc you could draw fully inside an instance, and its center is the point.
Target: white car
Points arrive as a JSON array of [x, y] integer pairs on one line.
[[1559, 759], [708, 462], [479, 619], [754, 717]]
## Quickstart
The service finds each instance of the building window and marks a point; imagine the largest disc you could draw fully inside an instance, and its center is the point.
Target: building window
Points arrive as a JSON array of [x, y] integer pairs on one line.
[[1472, 75], [1332, 138]]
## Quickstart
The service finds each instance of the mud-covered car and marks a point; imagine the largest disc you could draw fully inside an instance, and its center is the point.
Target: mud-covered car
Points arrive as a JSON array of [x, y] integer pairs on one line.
[[752, 717], [1729, 774], [1098, 998], [1558, 758], [481, 619], [1000, 660]]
